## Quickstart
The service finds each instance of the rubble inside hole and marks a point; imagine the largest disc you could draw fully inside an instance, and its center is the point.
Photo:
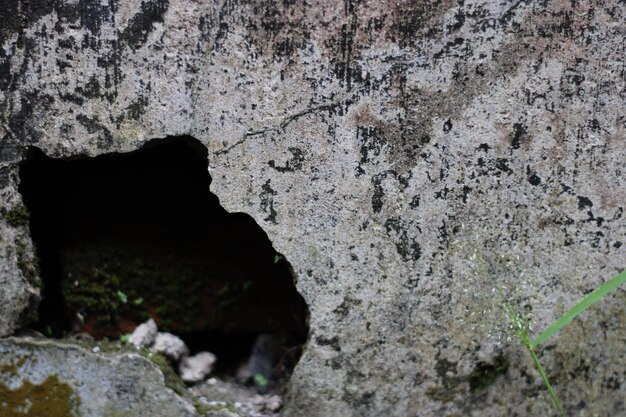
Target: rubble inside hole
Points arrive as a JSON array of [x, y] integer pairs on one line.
[[126, 238]]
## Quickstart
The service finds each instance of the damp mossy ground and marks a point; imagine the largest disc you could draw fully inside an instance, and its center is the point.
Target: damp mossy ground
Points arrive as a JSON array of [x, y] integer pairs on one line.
[[114, 286], [110, 285], [50, 398]]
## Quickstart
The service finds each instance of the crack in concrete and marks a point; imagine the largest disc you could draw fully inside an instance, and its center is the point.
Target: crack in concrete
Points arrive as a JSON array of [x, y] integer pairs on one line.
[[281, 126]]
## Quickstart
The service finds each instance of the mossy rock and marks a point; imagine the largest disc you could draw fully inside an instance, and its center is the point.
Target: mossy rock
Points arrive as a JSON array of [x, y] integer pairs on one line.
[[50, 398]]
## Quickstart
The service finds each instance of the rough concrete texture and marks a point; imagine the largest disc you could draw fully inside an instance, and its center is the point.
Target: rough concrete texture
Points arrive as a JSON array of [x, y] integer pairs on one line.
[[361, 135], [106, 385], [19, 283]]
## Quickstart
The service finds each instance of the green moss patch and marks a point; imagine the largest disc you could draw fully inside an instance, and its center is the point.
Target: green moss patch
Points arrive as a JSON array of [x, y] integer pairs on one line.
[[51, 398], [12, 368]]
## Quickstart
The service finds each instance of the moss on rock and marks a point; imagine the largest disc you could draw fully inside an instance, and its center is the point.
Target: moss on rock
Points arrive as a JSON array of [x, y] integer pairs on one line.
[[12, 368], [50, 398], [172, 379]]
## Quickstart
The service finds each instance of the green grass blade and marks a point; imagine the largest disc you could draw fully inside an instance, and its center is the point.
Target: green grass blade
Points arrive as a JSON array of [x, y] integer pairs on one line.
[[546, 382], [590, 299]]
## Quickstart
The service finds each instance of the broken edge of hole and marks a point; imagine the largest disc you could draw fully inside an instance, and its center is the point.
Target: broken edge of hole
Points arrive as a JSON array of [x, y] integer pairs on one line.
[[83, 210]]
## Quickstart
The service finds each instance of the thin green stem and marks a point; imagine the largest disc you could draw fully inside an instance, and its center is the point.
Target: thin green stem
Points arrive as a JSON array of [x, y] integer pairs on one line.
[[546, 382]]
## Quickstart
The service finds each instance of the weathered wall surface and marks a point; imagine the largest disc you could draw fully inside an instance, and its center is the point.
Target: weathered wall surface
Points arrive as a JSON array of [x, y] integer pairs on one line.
[[361, 135]]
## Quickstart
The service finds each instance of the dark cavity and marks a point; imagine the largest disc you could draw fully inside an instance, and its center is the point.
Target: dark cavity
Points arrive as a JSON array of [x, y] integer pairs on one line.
[[126, 237]]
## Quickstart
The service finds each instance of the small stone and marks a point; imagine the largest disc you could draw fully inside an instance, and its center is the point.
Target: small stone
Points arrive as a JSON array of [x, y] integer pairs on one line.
[[274, 403], [30, 333], [95, 349], [170, 345], [243, 374], [144, 334], [194, 369]]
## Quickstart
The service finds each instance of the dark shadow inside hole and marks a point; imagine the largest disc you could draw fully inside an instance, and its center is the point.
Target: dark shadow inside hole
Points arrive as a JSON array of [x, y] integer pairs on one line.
[[125, 237]]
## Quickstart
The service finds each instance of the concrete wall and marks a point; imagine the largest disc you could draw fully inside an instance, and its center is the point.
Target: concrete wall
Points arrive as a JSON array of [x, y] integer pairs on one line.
[[379, 144]]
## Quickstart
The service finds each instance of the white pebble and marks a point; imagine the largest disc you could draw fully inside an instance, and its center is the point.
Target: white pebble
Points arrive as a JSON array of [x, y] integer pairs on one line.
[[195, 368], [171, 346], [144, 334]]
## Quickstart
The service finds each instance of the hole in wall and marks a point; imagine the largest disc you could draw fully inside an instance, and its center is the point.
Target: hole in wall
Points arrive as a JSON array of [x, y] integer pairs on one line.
[[126, 237]]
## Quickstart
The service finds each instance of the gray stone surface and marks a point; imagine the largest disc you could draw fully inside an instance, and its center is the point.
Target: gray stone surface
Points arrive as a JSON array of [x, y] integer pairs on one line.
[[19, 284], [108, 385], [196, 368], [170, 345], [144, 334], [361, 136]]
